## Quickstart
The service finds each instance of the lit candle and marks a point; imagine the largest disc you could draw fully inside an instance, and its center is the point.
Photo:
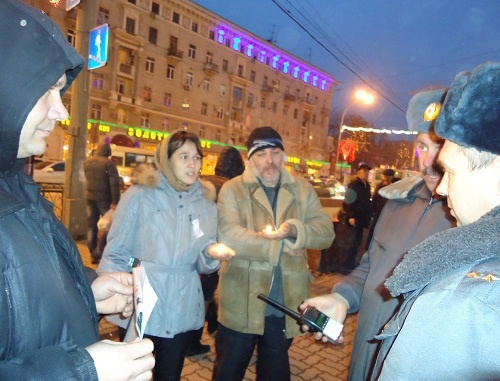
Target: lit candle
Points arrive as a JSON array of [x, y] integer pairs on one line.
[[268, 229], [221, 249]]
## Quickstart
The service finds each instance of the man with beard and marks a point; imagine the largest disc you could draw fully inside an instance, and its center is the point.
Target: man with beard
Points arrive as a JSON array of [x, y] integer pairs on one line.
[[413, 212], [269, 218]]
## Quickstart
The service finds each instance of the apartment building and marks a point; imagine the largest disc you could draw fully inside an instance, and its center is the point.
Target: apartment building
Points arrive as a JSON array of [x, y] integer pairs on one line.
[[173, 64]]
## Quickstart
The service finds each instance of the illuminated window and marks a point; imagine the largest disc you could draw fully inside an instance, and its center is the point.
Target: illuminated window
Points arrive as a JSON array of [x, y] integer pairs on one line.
[[170, 71], [189, 79], [150, 65], [145, 121], [296, 72], [262, 56], [222, 90], [275, 61], [315, 81], [306, 76], [206, 84], [192, 51], [249, 50]]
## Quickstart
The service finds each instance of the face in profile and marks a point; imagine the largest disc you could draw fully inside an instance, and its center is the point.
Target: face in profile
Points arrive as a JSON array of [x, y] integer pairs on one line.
[[41, 121], [470, 193], [267, 164], [186, 163]]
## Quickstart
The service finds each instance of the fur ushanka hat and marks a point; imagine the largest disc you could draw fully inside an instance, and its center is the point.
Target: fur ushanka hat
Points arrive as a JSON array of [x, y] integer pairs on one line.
[[470, 116]]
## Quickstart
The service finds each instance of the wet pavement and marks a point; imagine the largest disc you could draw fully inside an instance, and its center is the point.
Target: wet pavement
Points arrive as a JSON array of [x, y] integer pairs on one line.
[[309, 359]]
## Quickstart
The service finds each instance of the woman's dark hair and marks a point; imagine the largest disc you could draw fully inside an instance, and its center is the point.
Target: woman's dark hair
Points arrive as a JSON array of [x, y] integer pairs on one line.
[[178, 139]]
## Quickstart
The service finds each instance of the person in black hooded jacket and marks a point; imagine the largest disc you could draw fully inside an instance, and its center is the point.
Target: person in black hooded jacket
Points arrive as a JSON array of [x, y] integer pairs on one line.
[[49, 303]]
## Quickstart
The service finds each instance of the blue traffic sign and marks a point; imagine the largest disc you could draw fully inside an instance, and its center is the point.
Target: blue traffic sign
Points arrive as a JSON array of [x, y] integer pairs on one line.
[[98, 47]]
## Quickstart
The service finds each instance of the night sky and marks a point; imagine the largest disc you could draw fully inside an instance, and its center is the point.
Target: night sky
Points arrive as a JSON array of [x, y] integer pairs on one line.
[[397, 47]]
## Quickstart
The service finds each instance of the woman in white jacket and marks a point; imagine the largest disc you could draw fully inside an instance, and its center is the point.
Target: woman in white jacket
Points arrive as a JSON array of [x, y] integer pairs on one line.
[[168, 220]]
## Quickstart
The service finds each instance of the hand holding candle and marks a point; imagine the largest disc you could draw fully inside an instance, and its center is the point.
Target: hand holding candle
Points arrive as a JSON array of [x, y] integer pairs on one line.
[[220, 251]]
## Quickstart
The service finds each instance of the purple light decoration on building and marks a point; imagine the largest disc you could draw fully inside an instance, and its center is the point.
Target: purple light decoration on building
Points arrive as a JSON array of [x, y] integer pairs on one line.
[[236, 43], [306, 76], [262, 57], [249, 50], [275, 61], [220, 37]]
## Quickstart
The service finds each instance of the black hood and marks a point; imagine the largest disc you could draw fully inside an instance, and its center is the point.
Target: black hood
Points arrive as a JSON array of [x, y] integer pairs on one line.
[[35, 54], [230, 163]]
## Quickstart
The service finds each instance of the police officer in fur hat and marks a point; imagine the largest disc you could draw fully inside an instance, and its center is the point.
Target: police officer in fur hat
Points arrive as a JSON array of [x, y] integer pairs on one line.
[[449, 327], [412, 213]]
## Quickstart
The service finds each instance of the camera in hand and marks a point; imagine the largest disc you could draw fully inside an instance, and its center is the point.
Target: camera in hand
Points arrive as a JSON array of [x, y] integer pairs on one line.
[[316, 320]]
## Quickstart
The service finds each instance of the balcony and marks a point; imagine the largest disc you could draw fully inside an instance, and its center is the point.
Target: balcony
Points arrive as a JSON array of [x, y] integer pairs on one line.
[[290, 97], [175, 53], [126, 69], [267, 89], [211, 68]]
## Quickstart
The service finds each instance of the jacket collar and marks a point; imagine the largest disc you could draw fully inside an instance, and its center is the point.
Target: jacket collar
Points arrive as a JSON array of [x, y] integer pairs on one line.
[[446, 251]]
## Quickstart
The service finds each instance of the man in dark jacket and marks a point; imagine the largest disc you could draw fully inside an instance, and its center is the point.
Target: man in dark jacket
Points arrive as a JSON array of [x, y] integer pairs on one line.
[[358, 207], [412, 213], [48, 307], [102, 194]]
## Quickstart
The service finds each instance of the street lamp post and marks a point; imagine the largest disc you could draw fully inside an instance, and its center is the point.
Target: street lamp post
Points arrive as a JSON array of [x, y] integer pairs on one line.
[[361, 96]]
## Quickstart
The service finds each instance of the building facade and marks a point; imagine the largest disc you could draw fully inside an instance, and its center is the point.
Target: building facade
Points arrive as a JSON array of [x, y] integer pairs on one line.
[[173, 64]]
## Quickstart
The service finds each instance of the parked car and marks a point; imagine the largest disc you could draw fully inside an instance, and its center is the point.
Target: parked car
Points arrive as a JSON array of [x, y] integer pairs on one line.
[[327, 188], [49, 172]]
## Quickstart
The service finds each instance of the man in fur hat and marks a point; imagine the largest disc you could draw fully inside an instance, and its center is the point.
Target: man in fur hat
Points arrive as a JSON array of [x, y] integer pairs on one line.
[[412, 213], [269, 218], [49, 303], [448, 327]]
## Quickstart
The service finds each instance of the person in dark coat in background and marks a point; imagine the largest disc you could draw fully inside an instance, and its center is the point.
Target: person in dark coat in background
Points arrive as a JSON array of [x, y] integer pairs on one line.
[[379, 201], [49, 303], [358, 208], [102, 192], [230, 164]]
